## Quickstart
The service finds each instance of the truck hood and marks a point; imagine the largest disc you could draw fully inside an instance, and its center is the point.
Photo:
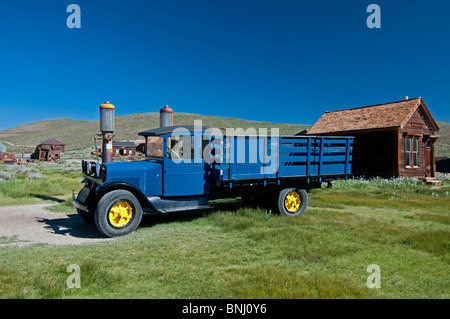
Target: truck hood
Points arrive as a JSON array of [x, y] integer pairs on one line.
[[137, 173]]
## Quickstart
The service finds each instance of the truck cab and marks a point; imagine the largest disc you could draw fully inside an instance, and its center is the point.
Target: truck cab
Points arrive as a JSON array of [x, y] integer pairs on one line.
[[173, 177]]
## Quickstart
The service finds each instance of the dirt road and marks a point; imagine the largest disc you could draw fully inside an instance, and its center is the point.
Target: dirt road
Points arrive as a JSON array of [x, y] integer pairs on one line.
[[30, 224]]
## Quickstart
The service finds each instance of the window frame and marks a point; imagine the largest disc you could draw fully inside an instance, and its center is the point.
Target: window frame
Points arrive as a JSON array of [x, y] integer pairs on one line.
[[188, 140], [415, 153], [152, 155], [412, 155], [182, 146]]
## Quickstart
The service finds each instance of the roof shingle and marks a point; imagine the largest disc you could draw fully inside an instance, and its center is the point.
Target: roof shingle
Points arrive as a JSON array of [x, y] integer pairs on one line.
[[394, 114], [52, 141]]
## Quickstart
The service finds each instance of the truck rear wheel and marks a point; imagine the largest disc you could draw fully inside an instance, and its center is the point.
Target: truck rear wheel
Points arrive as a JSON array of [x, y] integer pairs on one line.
[[292, 201], [118, 213]]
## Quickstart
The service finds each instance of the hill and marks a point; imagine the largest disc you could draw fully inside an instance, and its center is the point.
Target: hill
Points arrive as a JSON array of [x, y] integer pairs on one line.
[[442, 147], [78, 134]]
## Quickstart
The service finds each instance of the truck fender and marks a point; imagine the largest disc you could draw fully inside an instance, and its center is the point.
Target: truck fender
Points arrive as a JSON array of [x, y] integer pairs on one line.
[[143, 200]]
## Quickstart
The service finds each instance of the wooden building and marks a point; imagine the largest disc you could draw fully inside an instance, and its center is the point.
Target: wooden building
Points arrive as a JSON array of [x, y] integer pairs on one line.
[[48, 151], [124, 148], [140, 147], [6, 156], [391, 139], [120, 149]]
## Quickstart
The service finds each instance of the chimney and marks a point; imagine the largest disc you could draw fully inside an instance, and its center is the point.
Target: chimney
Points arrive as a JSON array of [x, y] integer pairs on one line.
[[406, 98]]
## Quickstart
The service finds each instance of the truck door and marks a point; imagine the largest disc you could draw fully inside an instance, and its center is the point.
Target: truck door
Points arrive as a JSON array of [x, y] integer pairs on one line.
[[185, 171]]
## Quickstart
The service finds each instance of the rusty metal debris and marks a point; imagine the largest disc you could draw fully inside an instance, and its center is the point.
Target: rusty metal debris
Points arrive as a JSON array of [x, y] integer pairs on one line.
[[48, 151]]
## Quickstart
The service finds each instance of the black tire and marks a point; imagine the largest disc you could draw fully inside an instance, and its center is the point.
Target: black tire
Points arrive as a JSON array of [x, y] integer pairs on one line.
[[300, 198], [102, 213], [88, 217]]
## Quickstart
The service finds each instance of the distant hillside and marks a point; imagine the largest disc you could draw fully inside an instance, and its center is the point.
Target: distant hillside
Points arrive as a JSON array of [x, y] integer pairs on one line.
[[78, 134], [443, 143]]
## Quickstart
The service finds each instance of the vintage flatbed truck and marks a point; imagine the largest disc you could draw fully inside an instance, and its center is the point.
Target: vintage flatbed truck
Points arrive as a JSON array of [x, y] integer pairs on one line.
[[186, 167]]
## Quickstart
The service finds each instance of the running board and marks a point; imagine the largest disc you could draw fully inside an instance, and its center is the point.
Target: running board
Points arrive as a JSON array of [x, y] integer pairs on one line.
[[164, 205]]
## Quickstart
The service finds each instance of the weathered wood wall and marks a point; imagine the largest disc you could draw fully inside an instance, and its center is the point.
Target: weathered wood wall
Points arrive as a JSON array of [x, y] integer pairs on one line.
[[416, 126]]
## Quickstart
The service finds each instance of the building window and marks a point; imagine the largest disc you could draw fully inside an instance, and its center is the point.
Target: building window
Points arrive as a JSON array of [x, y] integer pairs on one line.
[[415, 153], [408, 151], [412, 151]]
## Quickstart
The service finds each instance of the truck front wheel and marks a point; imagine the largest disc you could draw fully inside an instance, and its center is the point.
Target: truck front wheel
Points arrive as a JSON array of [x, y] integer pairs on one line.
[[292, 201], [118, 213]]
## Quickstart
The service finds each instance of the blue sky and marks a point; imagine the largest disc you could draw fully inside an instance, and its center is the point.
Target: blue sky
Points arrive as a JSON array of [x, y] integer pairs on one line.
[[277, 61]]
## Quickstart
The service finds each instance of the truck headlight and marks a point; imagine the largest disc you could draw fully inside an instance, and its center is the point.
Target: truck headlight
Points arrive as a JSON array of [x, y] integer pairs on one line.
[[97, 170], [85, 167], [92, 168], [89, 168]]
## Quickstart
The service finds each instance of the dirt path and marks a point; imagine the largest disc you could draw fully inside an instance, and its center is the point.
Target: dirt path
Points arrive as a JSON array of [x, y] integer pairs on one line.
[[30, 224]]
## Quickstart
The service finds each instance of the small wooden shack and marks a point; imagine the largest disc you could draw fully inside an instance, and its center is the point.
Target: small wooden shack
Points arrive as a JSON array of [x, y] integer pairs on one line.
[[48, 151], [124, 148], [140, 147], [6, 156], [391, 139], [120, 149]]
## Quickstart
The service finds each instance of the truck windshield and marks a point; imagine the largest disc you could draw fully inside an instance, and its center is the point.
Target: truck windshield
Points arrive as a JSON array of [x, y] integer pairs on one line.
[[184, 147], [180, 147], [155, 147]]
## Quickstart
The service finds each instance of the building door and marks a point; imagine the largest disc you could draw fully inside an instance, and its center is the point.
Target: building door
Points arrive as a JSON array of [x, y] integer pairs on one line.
[[429, 160]]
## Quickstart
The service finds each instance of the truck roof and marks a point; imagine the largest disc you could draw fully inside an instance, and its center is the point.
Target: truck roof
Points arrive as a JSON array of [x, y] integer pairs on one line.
[[169, 129]]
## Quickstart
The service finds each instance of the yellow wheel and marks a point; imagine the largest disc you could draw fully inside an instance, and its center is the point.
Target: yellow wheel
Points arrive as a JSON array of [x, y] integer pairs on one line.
[[292, 202], [120, 214]]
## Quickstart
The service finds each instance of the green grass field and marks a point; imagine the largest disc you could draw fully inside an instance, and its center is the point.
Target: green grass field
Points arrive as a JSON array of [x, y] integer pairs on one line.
[[36, 183], [240, 252]]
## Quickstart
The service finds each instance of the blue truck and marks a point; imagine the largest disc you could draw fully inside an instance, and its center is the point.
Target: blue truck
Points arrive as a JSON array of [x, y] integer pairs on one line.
[[186, 167]]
